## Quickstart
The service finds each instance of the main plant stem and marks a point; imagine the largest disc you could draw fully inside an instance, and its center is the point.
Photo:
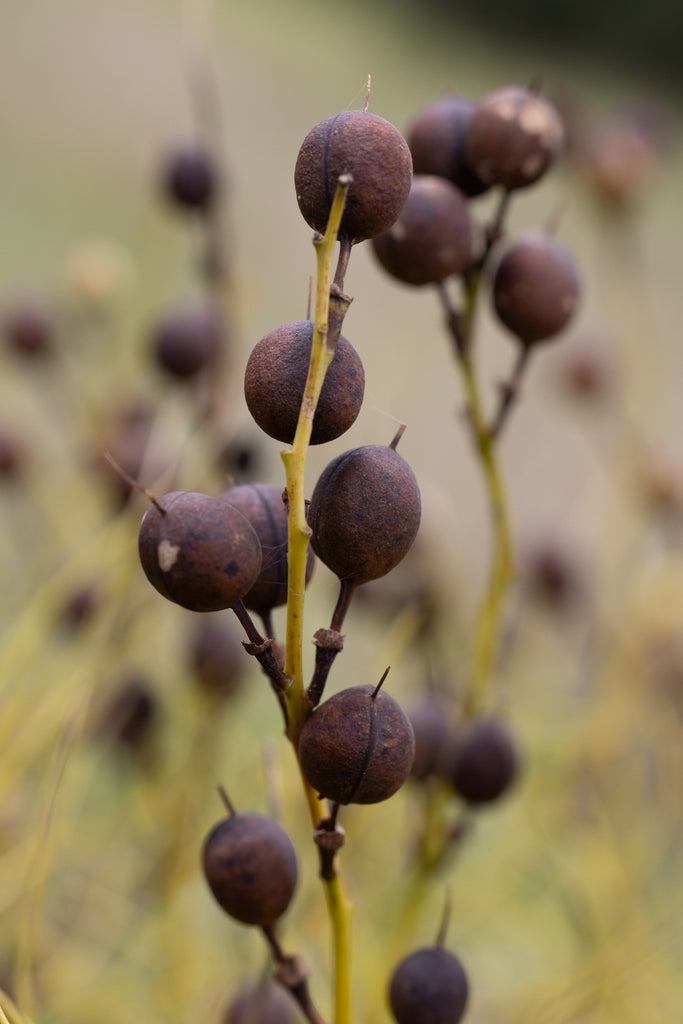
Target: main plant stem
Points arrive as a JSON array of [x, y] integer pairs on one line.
[[297, 704]]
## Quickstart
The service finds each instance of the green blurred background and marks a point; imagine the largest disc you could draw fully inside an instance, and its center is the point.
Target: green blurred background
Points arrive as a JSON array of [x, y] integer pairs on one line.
[[565, 911]]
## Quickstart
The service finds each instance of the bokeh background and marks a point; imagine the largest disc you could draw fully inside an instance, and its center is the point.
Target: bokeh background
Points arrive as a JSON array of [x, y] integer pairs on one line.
[[567, 898]]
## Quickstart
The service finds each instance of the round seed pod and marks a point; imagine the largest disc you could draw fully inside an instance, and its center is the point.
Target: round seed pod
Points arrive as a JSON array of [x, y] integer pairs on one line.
[[190, 179], [429, 986], [535, 287], [250, 865], [263, 506], [429, 720], [486, 762], [186, 341], [432, 238], [275, 379], [364, 513], [263, 1003], [199, 551], [29, 328], [357, 747], [514, 137], [436, 139], [370, 149], [215, 656]]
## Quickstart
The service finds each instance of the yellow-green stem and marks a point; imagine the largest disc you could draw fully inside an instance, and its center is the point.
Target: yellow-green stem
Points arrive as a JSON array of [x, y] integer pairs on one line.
[[488, 627], [295, 465], [297, 704], [340, 915]]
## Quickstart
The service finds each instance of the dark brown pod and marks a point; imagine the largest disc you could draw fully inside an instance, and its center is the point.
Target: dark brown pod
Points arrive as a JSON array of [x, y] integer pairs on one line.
[[190, 179], [215, 656], [29, 329], [432, 238], [275, 379], [186, 341], [356, 747], [514, 136], [264, 507], [198, 551], [374, 153], [429, 986], [436, 138], [250, 865], [263, 1003], [535, 287], [486, 762], [364, 513], [430, 722]]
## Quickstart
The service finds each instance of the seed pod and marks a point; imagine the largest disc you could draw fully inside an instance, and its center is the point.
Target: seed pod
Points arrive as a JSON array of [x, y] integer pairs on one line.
[[514, 136], [190, 179], [29, 328], [357, 747], [429, 986], [429, 720], [250, 865], [275, 380], [432, 238], [436, 139], [364, 513], [486, 762], [263, 1003], [186, 341], [263, 506], [199, 552], [374, 153], [215, 656], [535, 287]]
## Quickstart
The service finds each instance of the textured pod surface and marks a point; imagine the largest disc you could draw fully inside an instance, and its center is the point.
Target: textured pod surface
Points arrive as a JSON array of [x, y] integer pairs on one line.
[[429, 986], [364, 513], [201, 552], [486, 762], [374, 152], [356, 749], [263, 506], [535, 287], [432, 238], [250, 865], [436, 139], [275, 379], [514, 136]]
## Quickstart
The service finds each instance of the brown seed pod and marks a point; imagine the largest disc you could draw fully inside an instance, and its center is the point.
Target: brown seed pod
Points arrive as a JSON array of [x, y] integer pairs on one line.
[[357, 747], [430, 722], [535, 287], [215, 656], [275, 379], [263, 506], [263, 1003], [364, 513], [190, 179], [486, 762], [186, 341], [250, 865], [514, 136], [374, 153], [198, 551], [436, 138], [432, 238], [429, 986]]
